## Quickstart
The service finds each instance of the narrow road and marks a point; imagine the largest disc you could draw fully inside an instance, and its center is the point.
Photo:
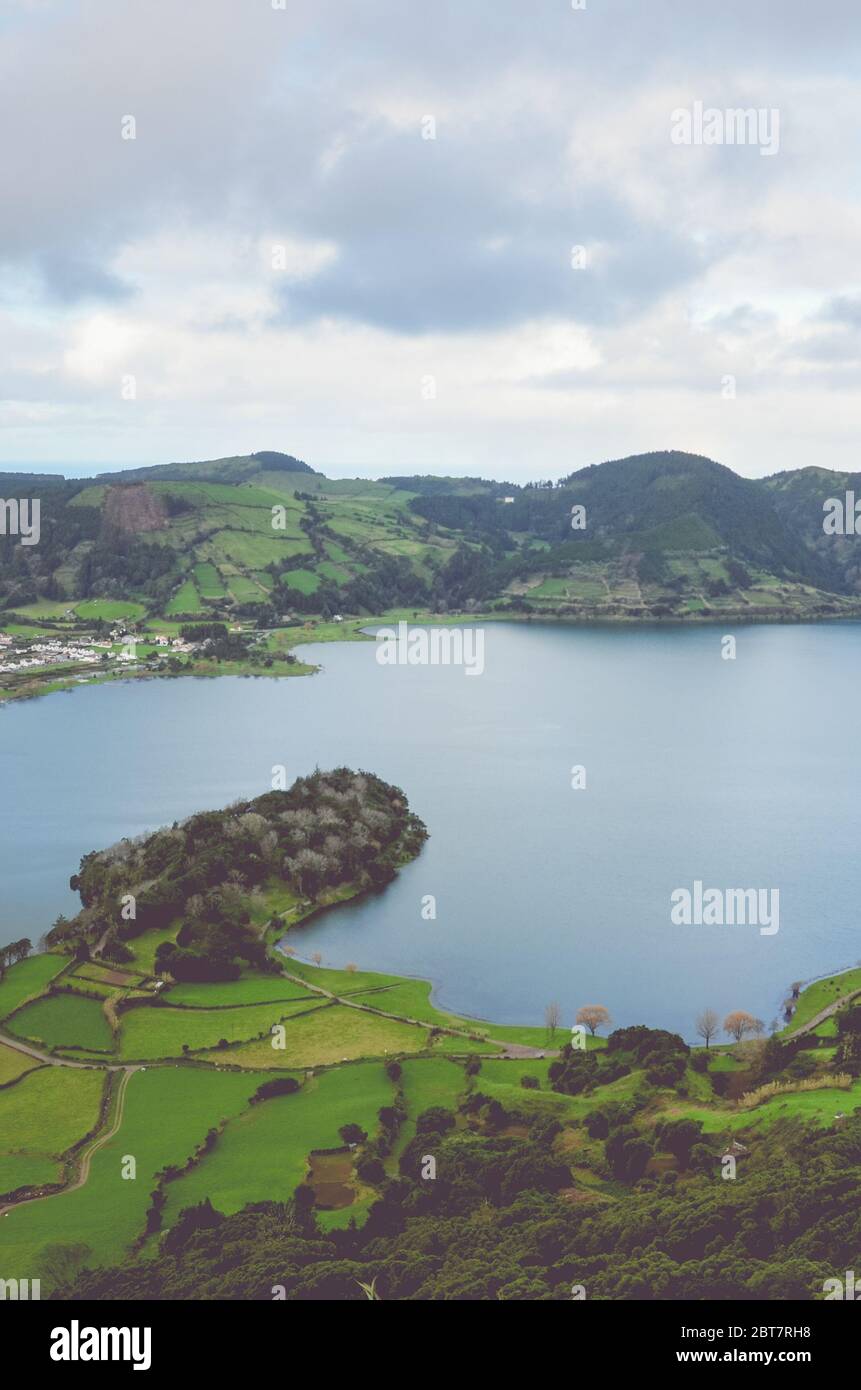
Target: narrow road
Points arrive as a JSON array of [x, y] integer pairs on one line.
[[52, 1061], [509, 1049], [815, 1021], [86, 1157]]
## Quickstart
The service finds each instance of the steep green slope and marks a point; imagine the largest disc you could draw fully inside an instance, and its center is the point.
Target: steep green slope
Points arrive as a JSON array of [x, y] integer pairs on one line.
[[799, 498]]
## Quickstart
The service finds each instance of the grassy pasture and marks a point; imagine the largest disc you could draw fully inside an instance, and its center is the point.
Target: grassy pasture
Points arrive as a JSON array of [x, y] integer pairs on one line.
[[168, 1111], [64, 1020], [329, 1035], [815, 1107], [27, 979], [25, 1170], [501, 1080], [306, 581], [249, 989], [247, 548], [411, 999], [14, 1064], [161, 1031], [426, 1081], [245, 589], [263, 1154], [209, 581], [42, 1116], [45, 608], [185, 600], [79, 984], [344, 981], [109, 610], [144, 947], [820, 994]]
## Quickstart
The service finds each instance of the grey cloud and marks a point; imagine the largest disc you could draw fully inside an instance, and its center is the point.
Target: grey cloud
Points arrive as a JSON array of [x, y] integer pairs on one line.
[[843, 309], [237, 104]]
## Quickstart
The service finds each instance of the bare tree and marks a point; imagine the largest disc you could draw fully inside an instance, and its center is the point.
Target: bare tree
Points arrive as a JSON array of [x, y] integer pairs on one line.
[[552, 1017], [738, 1023], [316, 958], [594, 1016], [708, 1024], [351, 966]]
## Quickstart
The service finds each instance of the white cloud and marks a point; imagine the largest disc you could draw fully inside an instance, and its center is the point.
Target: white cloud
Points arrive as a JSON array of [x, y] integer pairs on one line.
[[404, 257]]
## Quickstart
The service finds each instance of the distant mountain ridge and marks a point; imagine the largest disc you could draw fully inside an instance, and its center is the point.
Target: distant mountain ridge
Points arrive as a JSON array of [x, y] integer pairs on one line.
[[236, 469], [666, 534]]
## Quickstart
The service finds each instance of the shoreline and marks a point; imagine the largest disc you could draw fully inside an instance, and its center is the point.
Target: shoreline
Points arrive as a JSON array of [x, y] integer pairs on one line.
[[355, 629]]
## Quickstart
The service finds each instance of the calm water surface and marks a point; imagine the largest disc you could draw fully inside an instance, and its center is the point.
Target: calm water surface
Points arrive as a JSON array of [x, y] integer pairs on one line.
[[739, 773]]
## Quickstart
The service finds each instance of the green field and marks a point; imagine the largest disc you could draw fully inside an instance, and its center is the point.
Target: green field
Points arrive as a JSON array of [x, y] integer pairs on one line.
[[306, 581], [56, 609], [411, 999], [185, 600], [80, 985], [161, 1031], [245, 589], [331, 1034], [820, 994], [209, 581], [64, 1020], [501, 1080], [250, 989], [109, 610], [426, 1081], [343, 981], [27, 979], [816, 1107], [262, 1156], [26, 1170], [144, 947], [168, 1111], [14, 1064], [42, 1116]]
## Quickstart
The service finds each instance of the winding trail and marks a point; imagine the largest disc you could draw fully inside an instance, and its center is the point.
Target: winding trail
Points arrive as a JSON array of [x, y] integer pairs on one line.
[[509, 1050], [87, 1154], [51, 1061], [827, 1012]]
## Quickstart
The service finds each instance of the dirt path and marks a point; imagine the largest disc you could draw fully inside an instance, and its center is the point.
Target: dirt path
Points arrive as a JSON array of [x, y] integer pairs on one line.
[[511, 1050], [87, 1154], [52, 1061], [829, 1009]]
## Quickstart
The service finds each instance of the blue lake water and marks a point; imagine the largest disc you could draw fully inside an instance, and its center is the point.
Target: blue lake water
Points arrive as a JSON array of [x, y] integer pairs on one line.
[[738, 773]]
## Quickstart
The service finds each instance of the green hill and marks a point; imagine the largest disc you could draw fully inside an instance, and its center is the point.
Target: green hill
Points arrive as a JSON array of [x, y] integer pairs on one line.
[[264, 537]]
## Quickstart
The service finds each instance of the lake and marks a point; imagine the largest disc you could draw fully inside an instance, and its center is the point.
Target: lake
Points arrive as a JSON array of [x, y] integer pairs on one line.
[[739, 774]]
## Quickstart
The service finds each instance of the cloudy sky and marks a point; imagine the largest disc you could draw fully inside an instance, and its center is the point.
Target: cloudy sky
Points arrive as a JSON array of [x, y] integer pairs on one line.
[[349, 231]]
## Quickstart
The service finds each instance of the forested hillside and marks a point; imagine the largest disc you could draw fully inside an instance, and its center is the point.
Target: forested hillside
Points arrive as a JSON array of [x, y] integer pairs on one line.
[[265, 538], [328, 830]]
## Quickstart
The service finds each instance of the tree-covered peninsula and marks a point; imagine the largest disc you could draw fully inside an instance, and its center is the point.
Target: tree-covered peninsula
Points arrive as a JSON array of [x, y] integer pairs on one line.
[[214, 876]]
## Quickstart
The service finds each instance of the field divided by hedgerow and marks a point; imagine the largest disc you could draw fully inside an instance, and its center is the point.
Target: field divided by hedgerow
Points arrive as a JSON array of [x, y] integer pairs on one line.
[[332, 1034], [27, 979], [63, 1020], [426, 1082], [262, 1155], [250, 989], [167, 1113], [161, 1031], [14, 1064], [42, 1116]]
